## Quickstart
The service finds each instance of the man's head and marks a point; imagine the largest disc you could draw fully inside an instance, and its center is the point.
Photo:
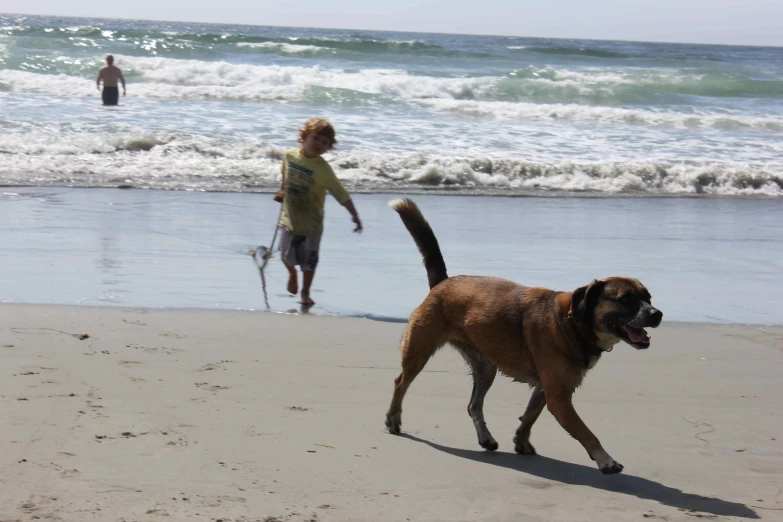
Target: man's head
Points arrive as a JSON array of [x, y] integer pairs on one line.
[[321, 128], [109, 59]]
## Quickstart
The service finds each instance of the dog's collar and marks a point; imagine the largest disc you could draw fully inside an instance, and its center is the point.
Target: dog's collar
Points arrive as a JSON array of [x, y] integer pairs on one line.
[[587, 340], [589, 343]]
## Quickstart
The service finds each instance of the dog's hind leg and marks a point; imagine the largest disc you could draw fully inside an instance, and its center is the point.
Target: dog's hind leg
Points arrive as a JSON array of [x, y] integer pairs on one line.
[[483, 373], [534, 408], [419, 343]]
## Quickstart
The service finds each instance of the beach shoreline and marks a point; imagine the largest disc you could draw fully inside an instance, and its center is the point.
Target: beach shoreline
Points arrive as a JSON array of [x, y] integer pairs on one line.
[[413, 190], [246, 416]]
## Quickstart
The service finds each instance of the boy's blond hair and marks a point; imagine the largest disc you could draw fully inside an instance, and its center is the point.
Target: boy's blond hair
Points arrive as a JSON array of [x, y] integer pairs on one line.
[[318, 126]]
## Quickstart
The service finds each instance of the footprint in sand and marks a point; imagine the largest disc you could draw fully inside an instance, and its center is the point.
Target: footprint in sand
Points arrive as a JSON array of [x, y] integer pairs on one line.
[[136, 322], [218, 501], [28, 507], [214, 366], [214, 388], [173, 335], [180, 442], [34, 506], [163, 349]]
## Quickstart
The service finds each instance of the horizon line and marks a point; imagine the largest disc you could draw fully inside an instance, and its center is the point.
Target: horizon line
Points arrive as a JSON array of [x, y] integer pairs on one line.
[[400, 31]]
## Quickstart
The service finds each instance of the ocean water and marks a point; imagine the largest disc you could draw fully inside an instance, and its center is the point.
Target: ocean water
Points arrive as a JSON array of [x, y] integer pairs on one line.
[[212, 107], [652, 160], [714, 260]]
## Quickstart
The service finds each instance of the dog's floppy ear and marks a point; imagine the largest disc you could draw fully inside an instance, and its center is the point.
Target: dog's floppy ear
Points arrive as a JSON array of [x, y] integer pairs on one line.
[[583, 299]]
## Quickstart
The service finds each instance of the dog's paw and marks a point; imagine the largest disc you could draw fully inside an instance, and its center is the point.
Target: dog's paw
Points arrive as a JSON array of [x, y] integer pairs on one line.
[[393, 424], [606, 464], [523, 447], [611, 468], [489, 444]]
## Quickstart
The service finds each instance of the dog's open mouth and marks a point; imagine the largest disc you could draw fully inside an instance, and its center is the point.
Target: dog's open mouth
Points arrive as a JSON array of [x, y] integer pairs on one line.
[[634, 336]]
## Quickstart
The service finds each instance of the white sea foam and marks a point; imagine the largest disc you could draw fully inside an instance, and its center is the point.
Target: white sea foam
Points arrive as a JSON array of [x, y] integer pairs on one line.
[[611, 76], [193, 79], [726, 178], [587, 113], [211, 107], [198, 79], [171, 161], [285, 47]]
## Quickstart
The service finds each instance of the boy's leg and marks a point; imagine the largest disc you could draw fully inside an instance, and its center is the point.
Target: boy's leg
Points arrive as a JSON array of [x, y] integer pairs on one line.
[[308, 264], [288, 259], [293, 283], [307, 280]]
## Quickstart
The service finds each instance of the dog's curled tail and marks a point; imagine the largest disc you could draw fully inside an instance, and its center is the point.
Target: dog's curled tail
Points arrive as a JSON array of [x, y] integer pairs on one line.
[[424, 237]]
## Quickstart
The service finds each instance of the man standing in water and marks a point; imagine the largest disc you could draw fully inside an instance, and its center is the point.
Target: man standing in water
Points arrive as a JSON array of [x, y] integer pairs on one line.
[[110, 74]]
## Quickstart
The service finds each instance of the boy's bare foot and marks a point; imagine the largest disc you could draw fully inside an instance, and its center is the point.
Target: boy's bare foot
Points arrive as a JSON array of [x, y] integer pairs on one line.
[[306, 301], [293, 284]]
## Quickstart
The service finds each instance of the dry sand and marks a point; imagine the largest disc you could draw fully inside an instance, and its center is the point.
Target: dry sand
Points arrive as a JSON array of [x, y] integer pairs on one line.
[[209, 415]]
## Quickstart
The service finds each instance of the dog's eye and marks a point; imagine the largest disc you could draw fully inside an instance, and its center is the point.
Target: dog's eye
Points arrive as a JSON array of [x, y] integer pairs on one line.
[[626, 298]]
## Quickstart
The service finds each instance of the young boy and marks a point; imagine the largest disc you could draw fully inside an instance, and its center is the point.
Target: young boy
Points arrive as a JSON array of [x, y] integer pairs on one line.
[[306, 179]]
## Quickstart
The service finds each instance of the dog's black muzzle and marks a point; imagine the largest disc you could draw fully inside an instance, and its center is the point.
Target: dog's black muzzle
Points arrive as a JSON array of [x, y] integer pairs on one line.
[[653, 317]]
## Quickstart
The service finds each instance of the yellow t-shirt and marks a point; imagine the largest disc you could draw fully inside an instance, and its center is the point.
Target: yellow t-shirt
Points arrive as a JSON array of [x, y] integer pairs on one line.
[[306, 183]]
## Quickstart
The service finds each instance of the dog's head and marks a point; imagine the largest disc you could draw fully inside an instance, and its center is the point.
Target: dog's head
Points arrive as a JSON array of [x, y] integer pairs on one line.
[[617, 307]]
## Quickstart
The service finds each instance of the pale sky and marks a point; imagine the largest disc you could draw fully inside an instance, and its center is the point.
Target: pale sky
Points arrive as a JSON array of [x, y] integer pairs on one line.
[[748, 22]]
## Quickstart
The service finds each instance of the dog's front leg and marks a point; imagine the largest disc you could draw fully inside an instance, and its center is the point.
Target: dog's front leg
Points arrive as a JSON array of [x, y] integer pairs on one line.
[[560, 405]]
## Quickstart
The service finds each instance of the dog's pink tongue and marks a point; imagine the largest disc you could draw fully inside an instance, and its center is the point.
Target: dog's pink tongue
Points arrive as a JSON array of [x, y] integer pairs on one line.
[[637, 335]]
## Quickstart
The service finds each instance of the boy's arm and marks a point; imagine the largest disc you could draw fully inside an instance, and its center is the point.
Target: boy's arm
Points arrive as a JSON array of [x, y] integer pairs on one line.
[[122, 79], [98, 80], [355, 215], [337, 190]]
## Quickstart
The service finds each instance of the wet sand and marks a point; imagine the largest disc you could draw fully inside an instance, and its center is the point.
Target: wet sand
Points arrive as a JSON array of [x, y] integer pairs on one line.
[[705, 260]]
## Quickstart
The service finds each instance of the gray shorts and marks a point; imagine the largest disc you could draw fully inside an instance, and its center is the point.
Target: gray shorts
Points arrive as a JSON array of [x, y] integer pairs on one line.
[[299, 250]]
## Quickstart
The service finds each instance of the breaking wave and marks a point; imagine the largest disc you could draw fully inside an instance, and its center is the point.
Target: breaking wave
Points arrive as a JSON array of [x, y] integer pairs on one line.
[[541, 94], [168, 161]]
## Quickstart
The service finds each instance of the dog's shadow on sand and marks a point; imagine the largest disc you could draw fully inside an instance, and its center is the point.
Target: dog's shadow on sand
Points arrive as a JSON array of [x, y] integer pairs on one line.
[[579, 475]]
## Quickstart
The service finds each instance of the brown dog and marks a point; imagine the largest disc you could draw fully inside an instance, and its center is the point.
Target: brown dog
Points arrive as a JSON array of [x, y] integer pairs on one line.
[[545, 338]]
